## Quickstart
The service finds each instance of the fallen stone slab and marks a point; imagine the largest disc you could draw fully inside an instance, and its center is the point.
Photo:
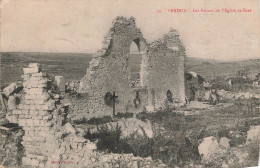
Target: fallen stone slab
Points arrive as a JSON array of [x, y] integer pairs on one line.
[[253, 134], [12, 87]]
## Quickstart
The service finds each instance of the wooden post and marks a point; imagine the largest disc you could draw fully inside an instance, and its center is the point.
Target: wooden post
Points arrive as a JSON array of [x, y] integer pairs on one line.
[[114, 103]]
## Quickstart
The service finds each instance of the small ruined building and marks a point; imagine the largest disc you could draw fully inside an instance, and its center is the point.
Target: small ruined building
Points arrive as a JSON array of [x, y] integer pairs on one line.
[[193, 85], [122, 78]]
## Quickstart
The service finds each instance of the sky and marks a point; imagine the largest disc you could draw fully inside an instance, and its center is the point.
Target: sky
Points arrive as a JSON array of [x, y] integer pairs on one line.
[[79, 26]]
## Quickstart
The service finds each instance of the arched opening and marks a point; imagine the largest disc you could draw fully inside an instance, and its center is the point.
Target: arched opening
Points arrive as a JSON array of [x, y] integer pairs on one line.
[[134, 62], [137, 62]]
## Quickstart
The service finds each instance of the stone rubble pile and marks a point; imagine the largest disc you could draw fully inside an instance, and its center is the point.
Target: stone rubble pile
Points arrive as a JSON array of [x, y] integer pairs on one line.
[[3, 119], [11, 150], [49, 141]]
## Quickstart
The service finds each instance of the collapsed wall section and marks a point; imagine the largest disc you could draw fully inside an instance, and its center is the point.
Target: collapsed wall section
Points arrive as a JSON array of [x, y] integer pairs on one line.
[[38, 117]]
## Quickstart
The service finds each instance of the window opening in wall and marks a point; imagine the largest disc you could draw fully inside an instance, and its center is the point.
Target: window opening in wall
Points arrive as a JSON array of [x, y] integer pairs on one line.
[[134, 62]]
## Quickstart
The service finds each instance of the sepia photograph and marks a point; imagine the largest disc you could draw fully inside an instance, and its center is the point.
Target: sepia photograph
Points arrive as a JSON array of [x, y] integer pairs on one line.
[[129, 84]]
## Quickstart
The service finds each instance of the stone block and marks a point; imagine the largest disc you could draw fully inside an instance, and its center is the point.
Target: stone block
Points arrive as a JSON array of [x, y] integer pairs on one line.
[[34, 162], [42, 165], [40, 139], [27, 138], [42, 123], [22, 122], [12, 118], [40, 74], [15, 111], [48, 124], [60, 82], [45, 128], [26, 161], [38, 117], [29, 122], [32, 156], [11, 103], [26, 128], [31, 70], [48, 117], [44, 113], [42, 158], [44, 133], [35, 91], [21, 116], [33, 65], [48, 107], [36, 123], [27, 116], [69, 128], [12, 87]]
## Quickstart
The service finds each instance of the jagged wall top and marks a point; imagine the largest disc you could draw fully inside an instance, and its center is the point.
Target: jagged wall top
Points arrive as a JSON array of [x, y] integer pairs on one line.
[[170, 41], [121, 26]]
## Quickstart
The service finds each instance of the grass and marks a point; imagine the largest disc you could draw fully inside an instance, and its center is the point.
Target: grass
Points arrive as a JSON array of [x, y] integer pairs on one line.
[[103, 120], [176, 136]]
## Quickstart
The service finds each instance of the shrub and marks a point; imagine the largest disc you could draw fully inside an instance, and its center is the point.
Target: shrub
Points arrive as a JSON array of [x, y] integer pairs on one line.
[[93, 121], [109, 140]]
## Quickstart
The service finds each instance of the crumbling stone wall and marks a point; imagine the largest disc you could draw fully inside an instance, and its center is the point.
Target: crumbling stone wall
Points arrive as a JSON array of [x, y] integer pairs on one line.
[[166, 58], [109, 70], [162, 69], [50, 141], [77, 106], [37, 115]]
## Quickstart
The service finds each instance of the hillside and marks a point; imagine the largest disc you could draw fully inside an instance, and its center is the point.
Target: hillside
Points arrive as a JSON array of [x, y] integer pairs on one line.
[[74, 65], [70, 65], [212, 69]]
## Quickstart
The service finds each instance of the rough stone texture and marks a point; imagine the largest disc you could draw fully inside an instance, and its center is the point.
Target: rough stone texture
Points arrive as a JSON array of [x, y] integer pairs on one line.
[[210, 149], [11, 88], [77, 106], [109, 70], [49, 141], [11, 150], [60, 82], [162, 69], [38, 116], [253, 134], [166, 69]]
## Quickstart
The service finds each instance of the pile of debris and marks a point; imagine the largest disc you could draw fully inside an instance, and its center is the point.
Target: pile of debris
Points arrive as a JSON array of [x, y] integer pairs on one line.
[[11, 150], [47, 140]]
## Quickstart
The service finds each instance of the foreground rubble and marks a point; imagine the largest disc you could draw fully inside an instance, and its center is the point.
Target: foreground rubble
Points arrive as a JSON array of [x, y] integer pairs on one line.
[[50, 141]]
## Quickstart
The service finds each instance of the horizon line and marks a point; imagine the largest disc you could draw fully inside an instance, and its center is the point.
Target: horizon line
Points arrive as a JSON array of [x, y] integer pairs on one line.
[[213, 59]]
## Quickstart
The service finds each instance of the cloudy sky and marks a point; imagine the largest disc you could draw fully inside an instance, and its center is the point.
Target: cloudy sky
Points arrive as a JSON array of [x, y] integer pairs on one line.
[[80, 25]]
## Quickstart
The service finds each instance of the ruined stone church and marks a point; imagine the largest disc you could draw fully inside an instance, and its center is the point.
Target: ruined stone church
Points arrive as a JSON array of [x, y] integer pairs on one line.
[[108, 80]]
